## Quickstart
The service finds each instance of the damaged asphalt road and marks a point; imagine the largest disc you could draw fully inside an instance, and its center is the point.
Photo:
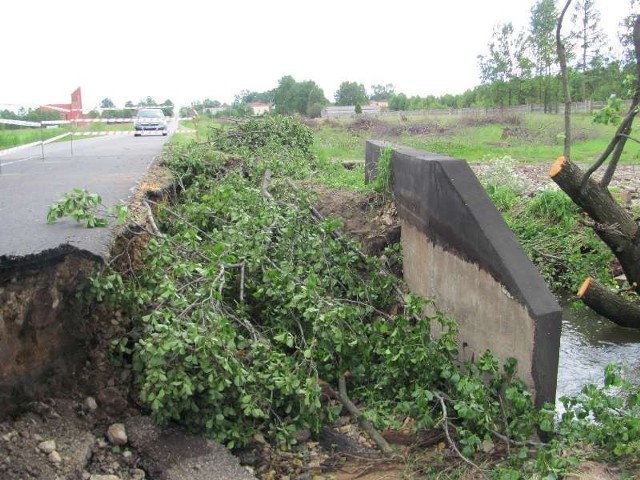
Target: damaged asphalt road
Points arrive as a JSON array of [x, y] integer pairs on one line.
[[52, 357], [109, 165]]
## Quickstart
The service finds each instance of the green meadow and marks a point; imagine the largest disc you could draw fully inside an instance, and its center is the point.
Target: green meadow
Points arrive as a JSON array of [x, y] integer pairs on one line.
[[527, 138]]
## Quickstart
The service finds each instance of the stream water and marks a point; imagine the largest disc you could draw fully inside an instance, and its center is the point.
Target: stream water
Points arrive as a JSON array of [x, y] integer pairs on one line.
[[588, 344]]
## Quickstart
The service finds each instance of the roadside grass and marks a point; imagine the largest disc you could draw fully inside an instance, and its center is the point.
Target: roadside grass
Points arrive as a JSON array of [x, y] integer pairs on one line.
[[200, 125], [335, 175], [181, 139], [338, 143], [186, 124], [22, 136]]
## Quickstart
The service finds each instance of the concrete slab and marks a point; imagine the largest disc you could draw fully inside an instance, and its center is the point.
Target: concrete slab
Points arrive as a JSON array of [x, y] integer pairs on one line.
[[459, 251]]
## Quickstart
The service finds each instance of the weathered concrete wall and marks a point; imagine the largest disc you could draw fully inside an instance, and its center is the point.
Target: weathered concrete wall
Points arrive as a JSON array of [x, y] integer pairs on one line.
[[42, 333], [458, 251]]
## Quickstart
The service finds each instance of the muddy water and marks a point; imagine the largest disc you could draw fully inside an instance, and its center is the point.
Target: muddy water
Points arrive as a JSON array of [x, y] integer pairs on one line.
[[588, 344]]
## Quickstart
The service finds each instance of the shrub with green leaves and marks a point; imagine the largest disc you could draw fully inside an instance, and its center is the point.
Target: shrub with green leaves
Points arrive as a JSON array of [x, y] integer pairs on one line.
[[249, 303], [283, 143], [601, 422], [548, 226], [383, 180], [246, 303]]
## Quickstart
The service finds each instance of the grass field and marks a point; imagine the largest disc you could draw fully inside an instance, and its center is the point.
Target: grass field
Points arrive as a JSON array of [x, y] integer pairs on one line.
[[527, 138], [201, 125], [15, 137], [531, 138]]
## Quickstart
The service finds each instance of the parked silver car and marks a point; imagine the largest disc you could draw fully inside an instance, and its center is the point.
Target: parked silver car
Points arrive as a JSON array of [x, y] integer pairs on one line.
[[150, 120]]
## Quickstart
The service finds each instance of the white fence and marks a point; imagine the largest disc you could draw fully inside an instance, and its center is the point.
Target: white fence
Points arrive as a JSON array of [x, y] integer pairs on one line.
[[40, 143]]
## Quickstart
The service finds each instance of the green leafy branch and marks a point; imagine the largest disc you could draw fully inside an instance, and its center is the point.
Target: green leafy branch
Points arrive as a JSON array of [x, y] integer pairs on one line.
[[83, 206], [611, 114], [235, 351]]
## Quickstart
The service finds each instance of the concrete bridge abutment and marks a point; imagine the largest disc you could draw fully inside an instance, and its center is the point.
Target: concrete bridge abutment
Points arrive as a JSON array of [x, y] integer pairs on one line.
[[459, 252]]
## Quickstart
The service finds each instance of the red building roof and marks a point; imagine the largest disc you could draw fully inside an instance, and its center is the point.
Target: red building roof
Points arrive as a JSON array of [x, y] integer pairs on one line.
[[68, 111]]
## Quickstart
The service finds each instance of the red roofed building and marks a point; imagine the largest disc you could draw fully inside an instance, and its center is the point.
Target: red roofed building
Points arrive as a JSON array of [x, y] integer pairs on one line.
[[68, 111]]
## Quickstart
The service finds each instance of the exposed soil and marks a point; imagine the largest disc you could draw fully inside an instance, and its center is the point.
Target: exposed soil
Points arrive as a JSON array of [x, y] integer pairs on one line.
[[66, 437], [380, 128], [370, 219]]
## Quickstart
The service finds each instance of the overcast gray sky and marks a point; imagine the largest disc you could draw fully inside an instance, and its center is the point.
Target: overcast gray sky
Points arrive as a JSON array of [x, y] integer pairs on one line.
[[191, 50]]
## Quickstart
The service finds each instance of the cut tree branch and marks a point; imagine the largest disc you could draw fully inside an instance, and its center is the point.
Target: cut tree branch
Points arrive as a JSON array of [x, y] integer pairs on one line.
[[630, 138], [616, 226], [364, 423], [609, 304], [266, 179], [445, 421], [622, 128], [154, 226]]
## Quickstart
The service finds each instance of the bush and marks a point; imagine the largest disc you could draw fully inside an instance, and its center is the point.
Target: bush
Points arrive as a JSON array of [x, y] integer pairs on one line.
[[246, 305], [548, 227]]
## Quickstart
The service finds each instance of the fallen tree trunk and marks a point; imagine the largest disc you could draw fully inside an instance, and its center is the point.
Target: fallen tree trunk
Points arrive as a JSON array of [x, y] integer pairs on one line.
[[611, 222], [609, 304]]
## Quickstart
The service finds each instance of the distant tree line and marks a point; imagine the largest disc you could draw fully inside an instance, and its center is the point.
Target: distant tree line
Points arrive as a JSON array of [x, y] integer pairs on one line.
[[522, 67], [291, 97], [519, 67], [107, 110], [28, 115]]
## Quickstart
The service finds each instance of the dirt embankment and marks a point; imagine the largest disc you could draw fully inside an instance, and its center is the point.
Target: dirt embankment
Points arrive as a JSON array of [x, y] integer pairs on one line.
[[60, 396], [42, 330]]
